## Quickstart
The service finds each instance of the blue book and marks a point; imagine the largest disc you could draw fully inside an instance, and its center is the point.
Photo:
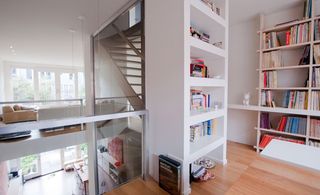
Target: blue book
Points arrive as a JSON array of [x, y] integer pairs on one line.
[[295, 125], [209, 130], [287, 129]]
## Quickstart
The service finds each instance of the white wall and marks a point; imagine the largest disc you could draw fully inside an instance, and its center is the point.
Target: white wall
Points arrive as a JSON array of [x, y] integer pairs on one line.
[[243, 77]]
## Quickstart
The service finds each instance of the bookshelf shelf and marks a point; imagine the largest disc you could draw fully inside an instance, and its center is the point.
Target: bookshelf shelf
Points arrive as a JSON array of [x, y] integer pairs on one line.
[[316, 65], [280, 132], [314, 138], [316, 42], [285, 68], [205, 15], [201, 116], [203, 146], [257, 108], [202, 49], [285, 26], [287, 89], [206, 82], [287, 47]]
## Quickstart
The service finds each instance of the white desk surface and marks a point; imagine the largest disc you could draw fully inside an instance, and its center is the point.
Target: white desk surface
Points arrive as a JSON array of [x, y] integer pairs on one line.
[[292, 153]]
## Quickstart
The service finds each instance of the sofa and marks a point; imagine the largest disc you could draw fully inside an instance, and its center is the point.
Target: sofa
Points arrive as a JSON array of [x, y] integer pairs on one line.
[[18, 113]]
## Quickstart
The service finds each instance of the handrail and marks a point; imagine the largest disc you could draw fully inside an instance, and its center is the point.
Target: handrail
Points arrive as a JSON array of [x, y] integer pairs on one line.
[[41, 101], [55, 123]]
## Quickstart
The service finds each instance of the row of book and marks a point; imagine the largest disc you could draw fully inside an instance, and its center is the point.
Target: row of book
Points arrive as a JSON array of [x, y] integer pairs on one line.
[[315, 103], [316, 77], [295, 100], [298, 34], [316, 52], [198, 68], [292, 124], [315, 128], [267, 99], [272, 59], [314, 144], [317, 30], [270, 40], [307, 11], [200, 100], [269, 79], [266, 139], [206, 128]]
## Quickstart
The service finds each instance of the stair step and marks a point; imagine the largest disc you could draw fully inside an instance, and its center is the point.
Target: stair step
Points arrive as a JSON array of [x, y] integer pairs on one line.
[[122, 48], [129, 68], [123, 54], [135, 84], [130, 61], [132, 75]]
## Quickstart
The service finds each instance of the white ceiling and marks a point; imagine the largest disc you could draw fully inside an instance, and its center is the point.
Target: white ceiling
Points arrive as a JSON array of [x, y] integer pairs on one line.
[[39, 30], [244, 10]]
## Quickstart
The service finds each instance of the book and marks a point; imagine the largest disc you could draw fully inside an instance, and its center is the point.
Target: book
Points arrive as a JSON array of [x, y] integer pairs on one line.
[[266, 139], [169, 175]]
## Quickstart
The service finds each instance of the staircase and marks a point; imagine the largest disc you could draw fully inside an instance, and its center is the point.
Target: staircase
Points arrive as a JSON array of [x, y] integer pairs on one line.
[[125, 51]]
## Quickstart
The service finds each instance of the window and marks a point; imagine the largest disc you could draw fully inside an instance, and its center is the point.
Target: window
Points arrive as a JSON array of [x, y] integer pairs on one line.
[[22, 84], [81, 85], [47, 87], [67, 85]]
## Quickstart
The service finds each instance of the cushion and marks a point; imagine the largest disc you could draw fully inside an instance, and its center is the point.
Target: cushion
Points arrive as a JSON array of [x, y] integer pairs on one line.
[[7, 109], [16, 107]]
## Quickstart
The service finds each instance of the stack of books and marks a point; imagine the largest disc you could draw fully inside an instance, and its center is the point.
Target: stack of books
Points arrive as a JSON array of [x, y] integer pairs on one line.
[[266, 139], [316, 51], [272, 59], [267, 99], [269, 79], [199, 100], [315, 128], [291, 124], [270, 40], [315, 104], [295, 100], [299, 33], [317, 30], [307, 9], [203, 129], [314, 144], [199, 35], [198, 68]]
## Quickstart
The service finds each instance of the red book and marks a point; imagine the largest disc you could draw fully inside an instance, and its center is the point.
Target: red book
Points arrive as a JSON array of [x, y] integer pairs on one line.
[[283, 123], [288, 37]]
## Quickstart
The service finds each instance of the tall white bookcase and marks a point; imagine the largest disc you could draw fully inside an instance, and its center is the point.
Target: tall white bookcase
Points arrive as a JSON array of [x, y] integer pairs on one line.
[[169, 49]]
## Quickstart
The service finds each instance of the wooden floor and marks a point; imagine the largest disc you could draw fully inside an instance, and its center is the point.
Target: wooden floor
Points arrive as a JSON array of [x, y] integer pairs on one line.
[[245, 173]]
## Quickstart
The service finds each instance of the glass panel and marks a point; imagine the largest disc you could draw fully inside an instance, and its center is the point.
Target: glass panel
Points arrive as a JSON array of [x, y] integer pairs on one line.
[[47, 86], [22, 84], [118, 61], [119, 146], [67, 85], [50, 162], [30, 166]]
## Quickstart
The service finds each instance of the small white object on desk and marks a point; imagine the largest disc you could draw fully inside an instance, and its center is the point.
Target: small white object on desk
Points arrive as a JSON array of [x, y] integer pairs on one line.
[[293, 153]]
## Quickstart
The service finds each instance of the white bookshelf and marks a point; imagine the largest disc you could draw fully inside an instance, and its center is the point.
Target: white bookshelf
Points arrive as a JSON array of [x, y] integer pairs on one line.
[[292, 72], [170, 90]]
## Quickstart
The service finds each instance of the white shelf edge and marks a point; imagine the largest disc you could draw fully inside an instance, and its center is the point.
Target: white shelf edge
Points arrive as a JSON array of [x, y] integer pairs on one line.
[[285, 68], [37, 145], [201, 7], [293, 46], [281, 132], [199, 117], [204, 150], [274, 110], [206, 47], [285, 26], [206, 82]]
